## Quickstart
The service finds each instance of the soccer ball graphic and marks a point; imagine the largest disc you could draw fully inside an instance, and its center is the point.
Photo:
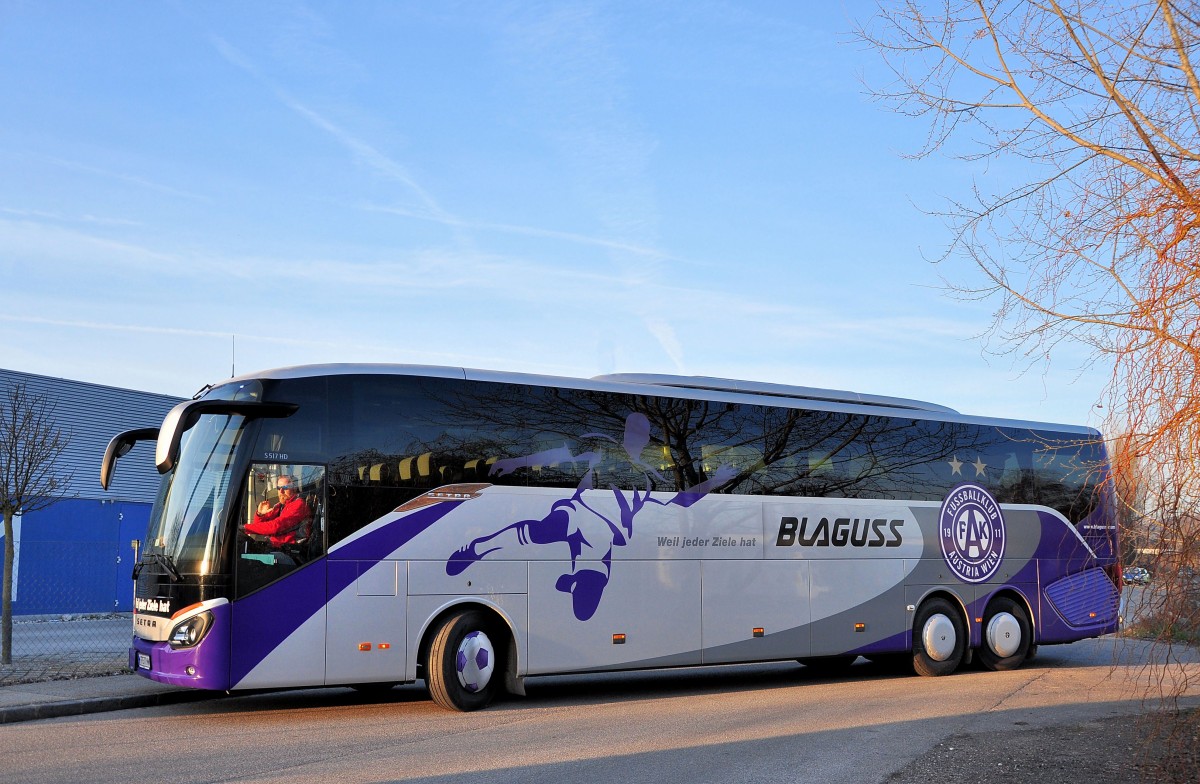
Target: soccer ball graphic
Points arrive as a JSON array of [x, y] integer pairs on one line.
[[475, 661]]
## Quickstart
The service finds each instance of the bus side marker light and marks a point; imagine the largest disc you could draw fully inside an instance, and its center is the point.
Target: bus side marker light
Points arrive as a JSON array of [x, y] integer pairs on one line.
[[759, 631], [618, 639], [383, 646], [364, 646], [860, 627], [190, 670], [978, 620]]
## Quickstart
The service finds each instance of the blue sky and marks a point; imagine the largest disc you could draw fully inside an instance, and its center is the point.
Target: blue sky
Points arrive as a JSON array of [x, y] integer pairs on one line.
[[566, 188]]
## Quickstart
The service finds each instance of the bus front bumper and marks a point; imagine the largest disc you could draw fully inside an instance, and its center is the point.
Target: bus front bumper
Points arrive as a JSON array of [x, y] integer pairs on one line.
[[201, 666]]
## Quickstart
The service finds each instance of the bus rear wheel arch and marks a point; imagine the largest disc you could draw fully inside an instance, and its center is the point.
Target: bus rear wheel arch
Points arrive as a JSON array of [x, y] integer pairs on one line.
[[464, 667], [939, 637], [1007, 635]]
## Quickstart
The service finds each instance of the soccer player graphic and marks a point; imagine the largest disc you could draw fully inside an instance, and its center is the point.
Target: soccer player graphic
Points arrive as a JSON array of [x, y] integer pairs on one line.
[[586, 531]]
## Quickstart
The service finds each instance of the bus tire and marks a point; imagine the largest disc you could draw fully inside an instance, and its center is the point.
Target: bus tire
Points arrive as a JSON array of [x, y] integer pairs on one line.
[[1007, 635], [462, 671], [939, 638]]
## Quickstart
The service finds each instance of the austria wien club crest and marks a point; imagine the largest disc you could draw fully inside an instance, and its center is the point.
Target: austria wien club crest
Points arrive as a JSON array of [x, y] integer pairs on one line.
[[971, 530]]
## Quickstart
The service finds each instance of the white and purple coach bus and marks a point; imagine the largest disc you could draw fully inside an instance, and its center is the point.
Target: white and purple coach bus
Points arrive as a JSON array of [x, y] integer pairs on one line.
[[472, 528]]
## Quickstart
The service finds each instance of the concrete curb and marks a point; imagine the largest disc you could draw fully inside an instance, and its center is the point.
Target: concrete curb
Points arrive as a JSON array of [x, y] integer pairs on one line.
[[59, 708]]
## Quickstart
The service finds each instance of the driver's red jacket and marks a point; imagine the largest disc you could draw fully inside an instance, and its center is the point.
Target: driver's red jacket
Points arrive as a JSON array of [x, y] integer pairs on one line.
[[283, 523]]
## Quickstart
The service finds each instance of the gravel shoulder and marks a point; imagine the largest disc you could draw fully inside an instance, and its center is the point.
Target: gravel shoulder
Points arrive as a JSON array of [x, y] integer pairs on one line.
[[1147, 748]]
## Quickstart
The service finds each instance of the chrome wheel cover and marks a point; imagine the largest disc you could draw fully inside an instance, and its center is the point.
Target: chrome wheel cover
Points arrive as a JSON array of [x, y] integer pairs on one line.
[[1004, 635], [939, 637]]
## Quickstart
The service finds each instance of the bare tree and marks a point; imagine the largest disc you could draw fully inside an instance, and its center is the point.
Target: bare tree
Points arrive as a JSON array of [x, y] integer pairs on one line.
[[1094, 108], [1087, 115], [30, 478]]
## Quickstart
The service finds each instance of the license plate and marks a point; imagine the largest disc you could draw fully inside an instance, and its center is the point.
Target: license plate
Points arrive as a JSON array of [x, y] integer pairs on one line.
[[143, 661]]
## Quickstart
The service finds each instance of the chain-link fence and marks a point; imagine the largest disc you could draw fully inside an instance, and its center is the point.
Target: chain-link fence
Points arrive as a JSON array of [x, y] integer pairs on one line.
[[66, 621], [57, 647]]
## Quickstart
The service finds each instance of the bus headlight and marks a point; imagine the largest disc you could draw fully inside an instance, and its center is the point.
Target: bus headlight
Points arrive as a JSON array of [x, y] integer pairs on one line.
[[191, 631]]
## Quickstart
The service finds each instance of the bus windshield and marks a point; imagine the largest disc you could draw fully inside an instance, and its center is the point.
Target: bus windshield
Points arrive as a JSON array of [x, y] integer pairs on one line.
[[188, 517]]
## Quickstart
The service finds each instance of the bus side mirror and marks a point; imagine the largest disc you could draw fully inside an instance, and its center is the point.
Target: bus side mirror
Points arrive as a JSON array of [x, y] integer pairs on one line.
[[118, 447]]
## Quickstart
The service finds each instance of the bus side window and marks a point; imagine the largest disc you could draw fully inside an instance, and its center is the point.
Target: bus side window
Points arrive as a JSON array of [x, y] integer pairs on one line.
[[283, 530]]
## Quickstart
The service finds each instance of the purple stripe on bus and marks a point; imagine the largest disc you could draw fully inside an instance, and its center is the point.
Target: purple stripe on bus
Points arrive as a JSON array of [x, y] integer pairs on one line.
[[381, 542]]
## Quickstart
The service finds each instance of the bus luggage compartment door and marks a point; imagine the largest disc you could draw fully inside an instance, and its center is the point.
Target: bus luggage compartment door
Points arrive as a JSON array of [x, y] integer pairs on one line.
[[646, 615], [367, 638]]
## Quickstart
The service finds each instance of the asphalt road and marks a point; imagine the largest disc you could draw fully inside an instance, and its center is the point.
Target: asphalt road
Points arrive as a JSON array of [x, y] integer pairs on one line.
[[760, 723]]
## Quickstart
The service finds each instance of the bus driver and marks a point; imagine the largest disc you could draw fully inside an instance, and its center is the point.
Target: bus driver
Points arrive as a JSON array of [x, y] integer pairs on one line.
[[282, 522]]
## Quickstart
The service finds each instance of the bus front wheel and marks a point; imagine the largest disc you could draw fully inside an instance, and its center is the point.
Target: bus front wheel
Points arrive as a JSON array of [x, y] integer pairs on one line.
[[462, 671], [1007, 635], [939, 638]]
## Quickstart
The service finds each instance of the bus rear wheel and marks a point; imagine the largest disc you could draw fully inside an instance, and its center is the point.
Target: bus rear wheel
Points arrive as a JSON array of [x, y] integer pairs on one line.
[[462, 671], [939, 638], [1007, 635]]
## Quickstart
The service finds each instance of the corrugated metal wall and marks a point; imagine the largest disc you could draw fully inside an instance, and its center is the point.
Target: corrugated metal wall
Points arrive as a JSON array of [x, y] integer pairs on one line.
[[90, 415], [75, 556]]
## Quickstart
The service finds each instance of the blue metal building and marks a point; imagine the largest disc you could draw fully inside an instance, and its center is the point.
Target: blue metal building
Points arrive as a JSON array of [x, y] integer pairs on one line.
[[76, 556]]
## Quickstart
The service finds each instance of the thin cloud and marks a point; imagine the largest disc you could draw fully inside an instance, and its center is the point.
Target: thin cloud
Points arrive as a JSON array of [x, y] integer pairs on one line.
[[533, 231], [53, 216], [431, 210], [499, 278], [363, 152], [563, 61], [153, 330], [141, 182], [44, 238], [664, 333], [900, 330]]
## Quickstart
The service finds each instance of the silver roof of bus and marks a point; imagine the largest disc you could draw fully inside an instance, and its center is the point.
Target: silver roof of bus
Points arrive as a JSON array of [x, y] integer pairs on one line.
[[710, 384], [698, 387]]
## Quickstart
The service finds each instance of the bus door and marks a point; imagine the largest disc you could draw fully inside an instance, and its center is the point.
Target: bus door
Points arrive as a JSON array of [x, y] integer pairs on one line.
[[278, 634]]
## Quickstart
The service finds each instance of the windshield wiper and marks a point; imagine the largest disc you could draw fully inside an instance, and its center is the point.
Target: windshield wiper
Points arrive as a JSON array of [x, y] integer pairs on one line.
[[163, 560]]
